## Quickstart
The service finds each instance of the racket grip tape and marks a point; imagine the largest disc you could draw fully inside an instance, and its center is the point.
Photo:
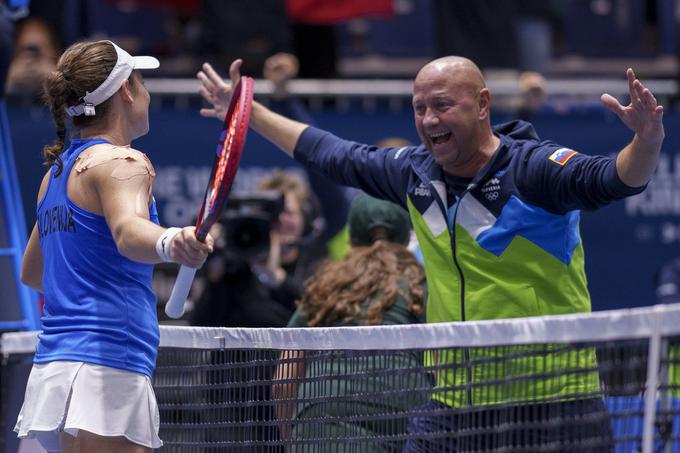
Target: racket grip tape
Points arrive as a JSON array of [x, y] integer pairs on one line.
[[174, 308]]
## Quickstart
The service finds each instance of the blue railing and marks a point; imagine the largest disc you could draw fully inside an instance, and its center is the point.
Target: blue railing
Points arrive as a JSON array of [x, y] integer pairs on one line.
[[16, 230]]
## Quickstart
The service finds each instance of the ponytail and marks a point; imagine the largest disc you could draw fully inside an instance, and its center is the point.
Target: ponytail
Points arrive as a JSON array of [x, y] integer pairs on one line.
[[55, 87]]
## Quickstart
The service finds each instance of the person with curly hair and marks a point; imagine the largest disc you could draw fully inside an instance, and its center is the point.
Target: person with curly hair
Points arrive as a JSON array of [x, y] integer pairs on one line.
[[379, 282]]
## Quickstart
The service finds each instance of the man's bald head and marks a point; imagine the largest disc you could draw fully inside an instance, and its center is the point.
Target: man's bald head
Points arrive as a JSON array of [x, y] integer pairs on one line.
[[459, 69]]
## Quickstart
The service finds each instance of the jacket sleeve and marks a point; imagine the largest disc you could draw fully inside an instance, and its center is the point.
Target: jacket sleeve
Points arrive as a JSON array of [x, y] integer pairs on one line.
[[381, 172], [561, 179]]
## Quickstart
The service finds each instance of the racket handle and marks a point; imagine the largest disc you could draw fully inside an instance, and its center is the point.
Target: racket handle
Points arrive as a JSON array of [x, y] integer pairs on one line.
[[174, 308]]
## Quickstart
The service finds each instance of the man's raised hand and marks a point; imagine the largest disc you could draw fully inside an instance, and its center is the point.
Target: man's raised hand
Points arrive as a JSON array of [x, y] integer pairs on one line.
[[215, 90], [643, 115]]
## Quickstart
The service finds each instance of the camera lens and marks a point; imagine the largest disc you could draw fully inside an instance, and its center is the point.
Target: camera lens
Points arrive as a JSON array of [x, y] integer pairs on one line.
[[247, 222], [248, 236]]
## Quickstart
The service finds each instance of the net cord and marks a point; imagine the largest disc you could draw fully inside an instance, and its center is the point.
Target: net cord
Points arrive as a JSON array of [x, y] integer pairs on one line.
[[635, 323]]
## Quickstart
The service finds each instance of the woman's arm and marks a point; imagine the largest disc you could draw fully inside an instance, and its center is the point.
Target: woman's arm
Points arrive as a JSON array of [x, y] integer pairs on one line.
[[285, 393], [32, 264], [123, 188]]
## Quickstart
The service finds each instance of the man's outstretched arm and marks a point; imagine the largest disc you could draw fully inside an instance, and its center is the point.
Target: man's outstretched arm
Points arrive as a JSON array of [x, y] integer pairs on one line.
[[281, 131], [381, 172], [636, 162]]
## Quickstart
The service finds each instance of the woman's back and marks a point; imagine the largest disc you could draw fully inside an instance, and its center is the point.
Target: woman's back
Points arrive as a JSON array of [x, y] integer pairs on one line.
[[99, 306]]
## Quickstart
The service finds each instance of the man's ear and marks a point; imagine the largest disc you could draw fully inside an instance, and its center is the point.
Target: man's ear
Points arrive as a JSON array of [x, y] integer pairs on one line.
[[484, 103]]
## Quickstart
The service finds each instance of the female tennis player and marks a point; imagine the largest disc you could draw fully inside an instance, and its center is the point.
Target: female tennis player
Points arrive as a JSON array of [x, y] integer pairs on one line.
[[91, 253]]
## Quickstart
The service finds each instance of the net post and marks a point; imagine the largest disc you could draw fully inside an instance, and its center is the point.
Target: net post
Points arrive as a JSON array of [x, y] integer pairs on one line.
[[652, 384], [665, 404]]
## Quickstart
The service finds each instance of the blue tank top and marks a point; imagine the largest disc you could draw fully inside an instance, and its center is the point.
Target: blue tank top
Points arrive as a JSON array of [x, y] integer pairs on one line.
[[99, 305]]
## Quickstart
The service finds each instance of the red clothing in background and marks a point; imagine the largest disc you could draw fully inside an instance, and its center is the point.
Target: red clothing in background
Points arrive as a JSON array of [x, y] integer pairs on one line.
[[333, 11]]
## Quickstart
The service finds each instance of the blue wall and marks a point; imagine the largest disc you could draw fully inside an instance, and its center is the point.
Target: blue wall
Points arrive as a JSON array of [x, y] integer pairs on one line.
[[625, 242]]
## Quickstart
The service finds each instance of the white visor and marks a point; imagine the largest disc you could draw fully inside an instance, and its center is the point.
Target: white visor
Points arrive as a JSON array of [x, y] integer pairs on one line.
[[125, 64]]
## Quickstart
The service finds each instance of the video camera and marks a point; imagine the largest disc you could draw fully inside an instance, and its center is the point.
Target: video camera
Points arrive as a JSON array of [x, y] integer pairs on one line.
[[248, 220]]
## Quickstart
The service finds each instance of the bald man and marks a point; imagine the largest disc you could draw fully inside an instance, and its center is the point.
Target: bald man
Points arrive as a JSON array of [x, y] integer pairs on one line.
[[496, 213]]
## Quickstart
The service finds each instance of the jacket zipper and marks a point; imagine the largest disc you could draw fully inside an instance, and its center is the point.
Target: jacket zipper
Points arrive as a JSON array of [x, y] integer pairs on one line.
[[443, 206], [466, 351]]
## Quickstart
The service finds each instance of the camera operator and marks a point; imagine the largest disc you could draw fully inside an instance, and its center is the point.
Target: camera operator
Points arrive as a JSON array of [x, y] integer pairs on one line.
[[266, 247], [234, 294], [6, 44], [297, 248], [244, 287]]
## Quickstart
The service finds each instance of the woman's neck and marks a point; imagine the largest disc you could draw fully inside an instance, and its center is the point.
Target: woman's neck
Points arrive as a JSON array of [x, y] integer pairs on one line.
[[110, 136]]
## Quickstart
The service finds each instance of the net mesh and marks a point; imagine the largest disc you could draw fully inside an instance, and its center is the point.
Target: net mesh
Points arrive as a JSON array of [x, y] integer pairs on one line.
[[571, 383], [377, 400]]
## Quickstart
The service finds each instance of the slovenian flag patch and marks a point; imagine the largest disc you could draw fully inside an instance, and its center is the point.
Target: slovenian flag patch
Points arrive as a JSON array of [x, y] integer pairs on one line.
[[562, 155]]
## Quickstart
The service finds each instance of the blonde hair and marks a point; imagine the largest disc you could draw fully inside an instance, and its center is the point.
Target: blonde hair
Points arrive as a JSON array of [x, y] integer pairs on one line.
[[288, 182]]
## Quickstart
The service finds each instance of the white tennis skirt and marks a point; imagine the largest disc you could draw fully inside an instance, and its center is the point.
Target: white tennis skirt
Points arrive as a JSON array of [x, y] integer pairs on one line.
[[69, 396]]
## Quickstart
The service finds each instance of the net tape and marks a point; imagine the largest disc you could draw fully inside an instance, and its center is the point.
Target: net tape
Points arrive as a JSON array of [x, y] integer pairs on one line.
[[598, 326]]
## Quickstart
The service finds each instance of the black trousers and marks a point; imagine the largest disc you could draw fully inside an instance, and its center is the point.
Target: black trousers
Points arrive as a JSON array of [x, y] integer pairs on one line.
[[581, 426]]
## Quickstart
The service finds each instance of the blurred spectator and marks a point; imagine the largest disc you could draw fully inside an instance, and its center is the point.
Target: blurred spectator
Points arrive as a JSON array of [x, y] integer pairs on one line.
[[181, 34], [378, 283], [668, 282], [240, 291], [35, 55], [246, 288], [279, 69], [613, 28], [676, 98], [532, 87], [296, 248], [52, 12], [6, 43]]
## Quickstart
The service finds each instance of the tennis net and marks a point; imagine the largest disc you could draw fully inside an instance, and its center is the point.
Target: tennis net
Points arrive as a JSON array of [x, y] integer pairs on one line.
[[606, 381]]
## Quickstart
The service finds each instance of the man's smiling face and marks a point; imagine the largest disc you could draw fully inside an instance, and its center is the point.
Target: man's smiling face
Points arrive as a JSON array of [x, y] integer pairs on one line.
[[446, 106]]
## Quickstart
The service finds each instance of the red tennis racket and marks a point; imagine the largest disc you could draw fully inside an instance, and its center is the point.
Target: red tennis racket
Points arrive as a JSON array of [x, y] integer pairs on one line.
[[228, 155]]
